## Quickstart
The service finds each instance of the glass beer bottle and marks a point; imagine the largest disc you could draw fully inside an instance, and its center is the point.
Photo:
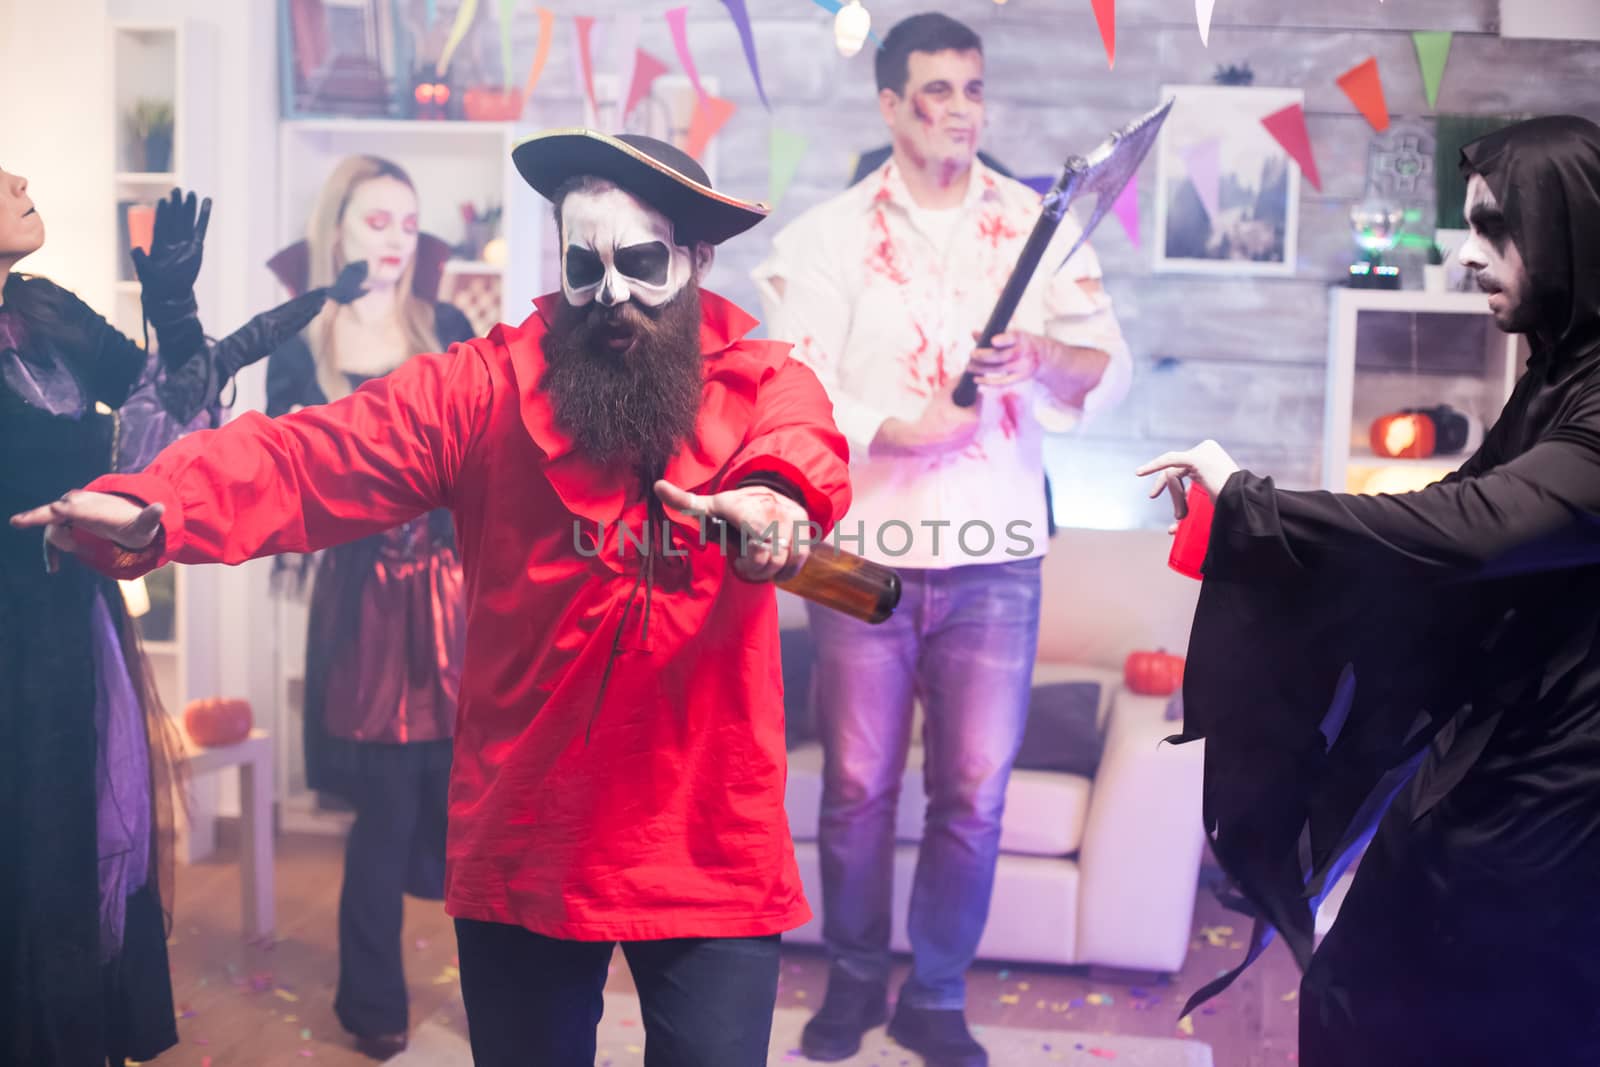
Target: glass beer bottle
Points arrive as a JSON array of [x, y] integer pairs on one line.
[[834, 578]]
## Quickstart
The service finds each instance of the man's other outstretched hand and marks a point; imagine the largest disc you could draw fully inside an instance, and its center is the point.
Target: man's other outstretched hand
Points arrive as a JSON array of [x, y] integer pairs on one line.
[[104, 515], [758, 511]]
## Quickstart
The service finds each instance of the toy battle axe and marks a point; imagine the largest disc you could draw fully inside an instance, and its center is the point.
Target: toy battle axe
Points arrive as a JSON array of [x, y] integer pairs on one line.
[[1105, 172]]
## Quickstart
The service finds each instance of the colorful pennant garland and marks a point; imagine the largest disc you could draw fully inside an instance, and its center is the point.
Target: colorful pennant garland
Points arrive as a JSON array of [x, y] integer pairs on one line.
[[585, 27], [1433, 51], [741, 22], [646, 69], [458, 33], [547, 29], [1288, 128], [1105, 15], [711, 113], [508, 11], [677, 19], [784, 152], [1202, 16], [1126, 209], [1364, 86]]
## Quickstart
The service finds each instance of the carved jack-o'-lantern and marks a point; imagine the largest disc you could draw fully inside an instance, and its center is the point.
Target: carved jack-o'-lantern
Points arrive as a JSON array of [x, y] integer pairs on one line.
[[214, 722], [1155, 674], [1403, 436]]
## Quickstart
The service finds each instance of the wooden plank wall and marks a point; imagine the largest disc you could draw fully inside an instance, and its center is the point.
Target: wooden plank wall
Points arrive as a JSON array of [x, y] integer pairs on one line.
[[1242, 359]]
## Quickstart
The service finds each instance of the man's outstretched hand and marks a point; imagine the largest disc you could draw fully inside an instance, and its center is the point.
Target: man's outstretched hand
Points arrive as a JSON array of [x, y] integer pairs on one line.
[[757, 511], [104, 515]]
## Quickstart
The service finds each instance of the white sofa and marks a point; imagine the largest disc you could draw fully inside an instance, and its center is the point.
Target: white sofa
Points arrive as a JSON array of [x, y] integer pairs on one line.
[[1098, 871]]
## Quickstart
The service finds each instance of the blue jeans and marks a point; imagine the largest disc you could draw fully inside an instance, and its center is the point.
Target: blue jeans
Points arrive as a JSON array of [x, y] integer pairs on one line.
[[534, 1000], [963, 641]]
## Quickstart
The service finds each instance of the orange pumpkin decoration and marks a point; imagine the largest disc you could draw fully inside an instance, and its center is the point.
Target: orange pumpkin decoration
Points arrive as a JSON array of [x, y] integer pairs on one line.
[[1403, 436], [1153, 674], [215, 722]]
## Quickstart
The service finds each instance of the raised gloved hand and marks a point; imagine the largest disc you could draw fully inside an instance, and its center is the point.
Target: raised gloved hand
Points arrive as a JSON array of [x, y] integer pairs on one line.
[[177, 244], [167, 275]]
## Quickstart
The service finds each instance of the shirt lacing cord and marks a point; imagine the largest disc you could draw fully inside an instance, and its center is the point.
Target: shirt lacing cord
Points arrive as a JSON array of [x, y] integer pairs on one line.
[[656, 515]]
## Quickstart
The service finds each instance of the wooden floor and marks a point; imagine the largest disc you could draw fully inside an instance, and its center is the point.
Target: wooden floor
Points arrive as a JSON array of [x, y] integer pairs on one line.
[[270, 1005]]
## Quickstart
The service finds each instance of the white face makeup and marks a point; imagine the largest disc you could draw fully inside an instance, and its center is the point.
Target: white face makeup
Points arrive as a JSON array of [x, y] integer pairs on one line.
[[380, 226], [618, 249], [1495, 261]]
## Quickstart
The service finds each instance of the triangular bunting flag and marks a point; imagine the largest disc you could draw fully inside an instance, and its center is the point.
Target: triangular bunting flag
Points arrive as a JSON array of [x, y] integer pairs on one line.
[[1433, 51], [1204, 163], [741, 22], [711, 113], [677, 20], [1105, 14], [1127, 209], [585, 24], [622, 47], [508, 11], [1364, 86], [547, 29], [1202, 17], [785, 150], [1288, 128], [458, 32], [646, 69]]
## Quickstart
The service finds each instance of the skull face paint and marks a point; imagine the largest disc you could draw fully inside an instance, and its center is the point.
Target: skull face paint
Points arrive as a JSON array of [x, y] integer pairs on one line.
[[616, 249]]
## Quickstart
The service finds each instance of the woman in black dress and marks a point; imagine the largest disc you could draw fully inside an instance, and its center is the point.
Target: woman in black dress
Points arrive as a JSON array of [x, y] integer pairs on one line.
[[86, 754], [387, 614]]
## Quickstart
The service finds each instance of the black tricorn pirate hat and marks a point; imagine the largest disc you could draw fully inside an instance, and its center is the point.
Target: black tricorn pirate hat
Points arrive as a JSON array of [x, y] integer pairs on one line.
[[664, 177]]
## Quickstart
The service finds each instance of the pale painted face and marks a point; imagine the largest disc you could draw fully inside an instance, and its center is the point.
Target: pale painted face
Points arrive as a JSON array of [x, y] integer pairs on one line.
[[21, 228], [1496, 262], [616, 248], [938, 120], [380, 226]]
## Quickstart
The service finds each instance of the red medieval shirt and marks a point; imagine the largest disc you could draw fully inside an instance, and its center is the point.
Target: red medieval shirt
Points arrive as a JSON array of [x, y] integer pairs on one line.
[[667, 821]]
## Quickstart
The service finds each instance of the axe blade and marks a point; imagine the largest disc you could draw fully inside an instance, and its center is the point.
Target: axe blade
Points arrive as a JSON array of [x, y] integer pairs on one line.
[[1106, 171]]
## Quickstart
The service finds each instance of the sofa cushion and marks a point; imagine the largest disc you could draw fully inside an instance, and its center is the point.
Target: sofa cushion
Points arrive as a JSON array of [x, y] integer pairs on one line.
[[1044, 816], [1063, 731]]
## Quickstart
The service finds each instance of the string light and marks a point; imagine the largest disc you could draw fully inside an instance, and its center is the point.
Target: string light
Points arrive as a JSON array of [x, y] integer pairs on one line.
[[850, 27]]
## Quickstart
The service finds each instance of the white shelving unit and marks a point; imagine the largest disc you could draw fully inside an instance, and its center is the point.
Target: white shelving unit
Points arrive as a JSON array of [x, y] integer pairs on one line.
[[147, 66], [1397, 349]]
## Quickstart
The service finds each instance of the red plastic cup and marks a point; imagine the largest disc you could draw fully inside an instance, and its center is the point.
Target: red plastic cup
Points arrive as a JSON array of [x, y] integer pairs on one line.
[[1189, 544]]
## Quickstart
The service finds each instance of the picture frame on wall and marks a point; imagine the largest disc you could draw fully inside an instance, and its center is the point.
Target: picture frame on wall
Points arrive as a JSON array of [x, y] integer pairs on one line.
[[1228, 198]]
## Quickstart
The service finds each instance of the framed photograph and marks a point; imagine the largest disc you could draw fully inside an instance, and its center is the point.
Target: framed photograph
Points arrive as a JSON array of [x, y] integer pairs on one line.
[[1228, 193]]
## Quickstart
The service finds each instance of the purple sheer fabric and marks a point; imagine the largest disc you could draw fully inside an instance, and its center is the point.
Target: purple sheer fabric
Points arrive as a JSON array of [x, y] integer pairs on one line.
[[122, 782], [146, 426]]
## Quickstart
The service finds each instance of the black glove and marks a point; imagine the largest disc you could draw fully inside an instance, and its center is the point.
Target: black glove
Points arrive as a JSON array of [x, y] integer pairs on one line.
[[167, 275], [262, 335]]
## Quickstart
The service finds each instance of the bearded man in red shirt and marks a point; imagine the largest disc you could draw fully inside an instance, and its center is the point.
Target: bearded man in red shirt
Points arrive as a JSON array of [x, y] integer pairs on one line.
[[620, 763]]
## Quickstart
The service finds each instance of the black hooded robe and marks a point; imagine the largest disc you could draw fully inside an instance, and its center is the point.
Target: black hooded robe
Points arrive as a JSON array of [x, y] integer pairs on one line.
[[1458, 631]]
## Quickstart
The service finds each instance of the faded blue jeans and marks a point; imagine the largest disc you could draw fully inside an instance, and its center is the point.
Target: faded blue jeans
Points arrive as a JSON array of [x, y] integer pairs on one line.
[[962, 641]]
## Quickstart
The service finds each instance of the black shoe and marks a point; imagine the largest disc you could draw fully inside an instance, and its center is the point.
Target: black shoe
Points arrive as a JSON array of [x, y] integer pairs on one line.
[[381, 1046], [851, 1008], [941, 1037]]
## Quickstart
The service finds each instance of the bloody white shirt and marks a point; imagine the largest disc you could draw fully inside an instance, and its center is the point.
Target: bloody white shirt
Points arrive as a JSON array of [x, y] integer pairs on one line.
[[884, 316]]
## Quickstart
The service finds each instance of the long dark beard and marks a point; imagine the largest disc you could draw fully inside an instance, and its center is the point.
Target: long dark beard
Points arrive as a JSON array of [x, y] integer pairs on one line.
[[636, 407]]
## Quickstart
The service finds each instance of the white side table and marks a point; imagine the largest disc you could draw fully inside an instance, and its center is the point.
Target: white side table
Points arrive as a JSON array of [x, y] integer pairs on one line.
[[253, 757]]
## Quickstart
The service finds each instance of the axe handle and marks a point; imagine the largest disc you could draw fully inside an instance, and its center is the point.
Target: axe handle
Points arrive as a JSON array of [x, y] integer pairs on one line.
[[1044, 231]]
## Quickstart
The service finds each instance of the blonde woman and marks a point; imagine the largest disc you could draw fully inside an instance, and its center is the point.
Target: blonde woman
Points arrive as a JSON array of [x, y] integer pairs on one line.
[[384, 643]]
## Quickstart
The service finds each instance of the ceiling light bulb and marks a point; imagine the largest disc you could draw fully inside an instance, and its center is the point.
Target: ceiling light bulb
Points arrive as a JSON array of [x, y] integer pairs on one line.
[[850, 28]]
